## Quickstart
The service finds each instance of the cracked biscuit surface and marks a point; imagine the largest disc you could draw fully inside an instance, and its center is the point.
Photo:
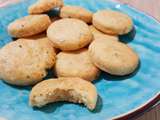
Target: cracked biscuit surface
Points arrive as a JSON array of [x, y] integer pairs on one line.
[[24, 62]]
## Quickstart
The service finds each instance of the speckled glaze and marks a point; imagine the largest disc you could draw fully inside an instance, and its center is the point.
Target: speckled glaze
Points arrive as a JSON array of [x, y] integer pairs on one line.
[[117, 95]]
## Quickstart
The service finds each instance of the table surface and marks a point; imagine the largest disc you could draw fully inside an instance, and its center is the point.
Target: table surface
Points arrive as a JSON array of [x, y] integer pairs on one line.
[[151, 7]]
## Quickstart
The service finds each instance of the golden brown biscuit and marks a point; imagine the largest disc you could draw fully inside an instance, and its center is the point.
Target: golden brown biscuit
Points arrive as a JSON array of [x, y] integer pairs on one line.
[[98, 34], [24, 62], [42, 6], [113, 57], [71, 89], [37, 37], [76, 12], [42, 37], [69, 34], [76, 64], [29, 25], [112, 22]]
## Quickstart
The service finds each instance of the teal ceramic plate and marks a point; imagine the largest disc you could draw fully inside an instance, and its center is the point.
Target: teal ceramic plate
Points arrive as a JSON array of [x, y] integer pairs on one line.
[[118, 96]]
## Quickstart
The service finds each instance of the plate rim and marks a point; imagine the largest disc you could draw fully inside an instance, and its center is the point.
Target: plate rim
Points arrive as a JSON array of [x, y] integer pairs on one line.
[[132, 113]]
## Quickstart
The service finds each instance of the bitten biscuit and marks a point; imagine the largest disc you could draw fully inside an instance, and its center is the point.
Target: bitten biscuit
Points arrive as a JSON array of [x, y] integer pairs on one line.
[[76, 12], [69, 34], [71, 89], [113, 57], [24, 62], [112, 22], [98, 34], [76, 64], [29, 25], [42, 6]]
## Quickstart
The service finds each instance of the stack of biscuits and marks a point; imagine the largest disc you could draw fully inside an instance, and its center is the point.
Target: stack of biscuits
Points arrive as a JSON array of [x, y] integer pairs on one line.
[[77, 44]]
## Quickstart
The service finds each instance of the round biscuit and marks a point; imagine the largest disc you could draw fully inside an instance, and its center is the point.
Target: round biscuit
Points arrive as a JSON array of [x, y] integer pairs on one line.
[[113, 57], [76, 64], [69, 34], [42, 6], [29, 25], [76, 12], [43, 37], [112, 22], [24, 62], [98, 34]]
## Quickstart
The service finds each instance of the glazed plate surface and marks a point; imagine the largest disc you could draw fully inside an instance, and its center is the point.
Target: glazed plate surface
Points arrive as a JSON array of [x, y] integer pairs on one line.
[[118, 96]]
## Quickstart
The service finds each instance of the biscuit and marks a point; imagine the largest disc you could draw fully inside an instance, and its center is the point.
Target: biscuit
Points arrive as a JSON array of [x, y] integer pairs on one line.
[[98, 34], [42, 6], [24, 62], [76, 64], [76, 12], [71, 89], [112, 22], [29, 25], [113, 57], [42, 37], [69, 34], [39, 37]]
